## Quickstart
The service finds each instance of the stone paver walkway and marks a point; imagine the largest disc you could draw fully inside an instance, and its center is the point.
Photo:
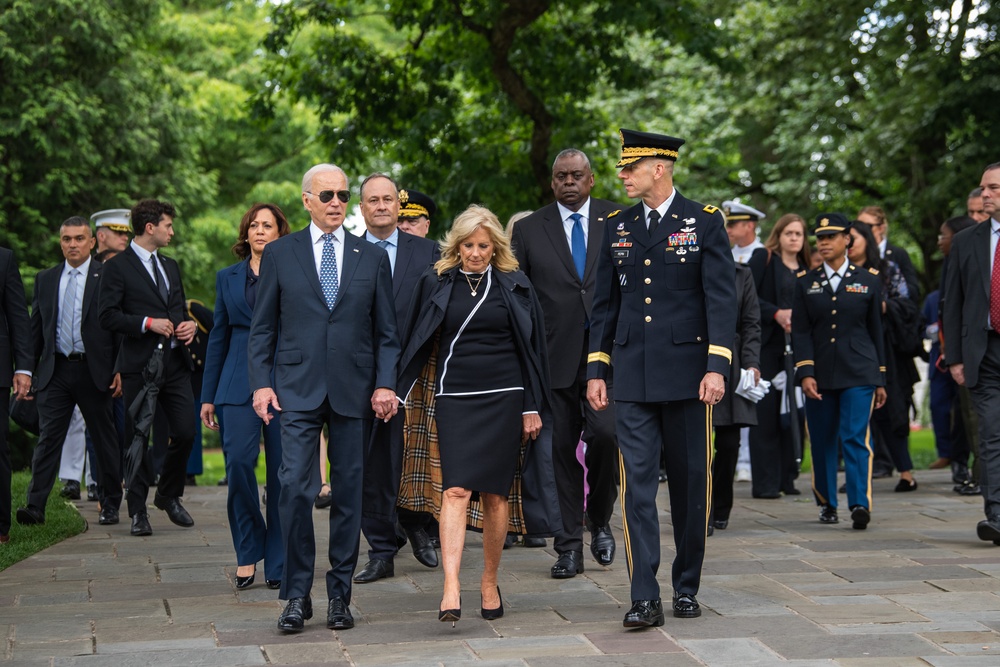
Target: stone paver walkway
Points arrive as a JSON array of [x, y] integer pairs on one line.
[[916, 588]]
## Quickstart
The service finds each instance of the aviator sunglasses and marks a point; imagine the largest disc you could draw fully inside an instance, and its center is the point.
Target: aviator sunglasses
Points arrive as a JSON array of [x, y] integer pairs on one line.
[[327, 195]]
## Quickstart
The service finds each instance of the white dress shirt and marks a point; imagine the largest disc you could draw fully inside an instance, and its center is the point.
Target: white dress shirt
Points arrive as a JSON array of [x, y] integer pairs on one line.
[[144, 256], [661, 209], [81, 284], [338, 248], [392, 248], [834, 277], [567, 221]]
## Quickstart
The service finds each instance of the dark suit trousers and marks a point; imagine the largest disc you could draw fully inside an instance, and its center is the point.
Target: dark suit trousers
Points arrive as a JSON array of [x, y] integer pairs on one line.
[[571, 415], [253, 537], [176, 400], [986, 399], [772, 449], [383, 467], [72, 385], [727, 454], [5, 471], [683, 429], [299, 477]]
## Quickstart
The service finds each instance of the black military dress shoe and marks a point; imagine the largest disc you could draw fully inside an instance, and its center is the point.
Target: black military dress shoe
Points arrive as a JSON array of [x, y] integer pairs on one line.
[[860, 517], [828, 514], [175, 511], [29, 516], [602, 545], [71, 489], [686, 606], [422, 549], [374, 570], [338, 615], [644, 614], [295, 614], [568, 565], [92, 493], [108, 516], [987, 530], [140, 525], [721, 524]]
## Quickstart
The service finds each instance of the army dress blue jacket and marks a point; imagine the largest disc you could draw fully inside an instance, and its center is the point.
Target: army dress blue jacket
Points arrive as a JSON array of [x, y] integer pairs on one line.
[[837, 336]]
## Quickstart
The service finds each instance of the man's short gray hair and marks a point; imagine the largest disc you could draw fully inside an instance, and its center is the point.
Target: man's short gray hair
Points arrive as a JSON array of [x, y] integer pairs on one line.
[[571, 152], [307, 179]]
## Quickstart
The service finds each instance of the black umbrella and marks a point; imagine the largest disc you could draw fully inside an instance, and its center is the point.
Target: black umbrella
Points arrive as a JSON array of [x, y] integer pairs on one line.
[[141, 412], [793, 405]]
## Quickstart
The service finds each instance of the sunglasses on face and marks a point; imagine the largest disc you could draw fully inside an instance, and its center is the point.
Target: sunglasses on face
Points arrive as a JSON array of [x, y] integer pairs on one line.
[[327, 195]]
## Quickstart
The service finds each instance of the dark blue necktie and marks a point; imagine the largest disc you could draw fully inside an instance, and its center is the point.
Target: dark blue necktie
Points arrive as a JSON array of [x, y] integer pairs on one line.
[[328, 272], [578, 244]]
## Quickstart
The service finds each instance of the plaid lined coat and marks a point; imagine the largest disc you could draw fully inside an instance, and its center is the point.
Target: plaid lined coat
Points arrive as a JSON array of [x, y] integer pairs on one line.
[[420, 485]]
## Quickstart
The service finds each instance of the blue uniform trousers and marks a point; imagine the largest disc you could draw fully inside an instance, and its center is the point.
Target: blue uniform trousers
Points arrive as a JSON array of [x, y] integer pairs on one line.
[[254, 538], [683, 429], [843, 416]]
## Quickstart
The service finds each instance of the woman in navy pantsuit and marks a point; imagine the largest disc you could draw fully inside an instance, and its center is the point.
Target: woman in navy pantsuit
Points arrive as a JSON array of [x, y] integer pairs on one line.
[[226, 395]]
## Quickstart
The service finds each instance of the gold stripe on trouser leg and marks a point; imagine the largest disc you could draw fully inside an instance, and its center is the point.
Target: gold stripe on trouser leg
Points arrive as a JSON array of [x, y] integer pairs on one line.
[[621, 494], [708, 457], [871, 455]]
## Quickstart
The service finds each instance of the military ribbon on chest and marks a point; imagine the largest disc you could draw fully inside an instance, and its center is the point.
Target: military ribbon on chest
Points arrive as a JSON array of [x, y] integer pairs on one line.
[[856, 288], [682, 239]]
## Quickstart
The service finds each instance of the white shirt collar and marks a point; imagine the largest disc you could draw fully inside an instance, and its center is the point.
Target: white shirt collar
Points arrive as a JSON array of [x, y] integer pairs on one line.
[[143, 254], [317, 234], [662, 208], [584, 211], [995, 225], [84, 268], [393, 238], [830, 273]]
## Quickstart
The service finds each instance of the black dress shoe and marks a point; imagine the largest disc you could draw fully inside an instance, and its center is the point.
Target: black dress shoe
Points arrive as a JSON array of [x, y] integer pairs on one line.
[[959, 473], [769, 495], [686, 606], [860, 517], [223, 482], [273, 584], [662, 477], [295, 614], [71, 489], [882, 474], [602, 545], [988, 530], [323, 500], [108, 516], [140, 525], [791, 491], [509, 541], [29, 516], [175, 511], [422, 549], [828, 514], [721, 524], [710, 531], [92, 492], [338, 615], [906, 485], [246, 582], [568, 565], [534, 542], [374, 570], [644, 614], [969, 488]]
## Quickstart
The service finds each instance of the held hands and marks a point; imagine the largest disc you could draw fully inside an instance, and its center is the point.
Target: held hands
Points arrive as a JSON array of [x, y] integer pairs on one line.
[[263, 399], [208, 416], [811, 390], [597, 394], [384, 403], [712, 388], [185, 331], [531, 426]]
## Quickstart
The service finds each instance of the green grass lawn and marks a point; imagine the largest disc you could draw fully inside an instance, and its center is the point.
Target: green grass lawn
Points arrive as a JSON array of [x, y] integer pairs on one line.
[[62, 520]]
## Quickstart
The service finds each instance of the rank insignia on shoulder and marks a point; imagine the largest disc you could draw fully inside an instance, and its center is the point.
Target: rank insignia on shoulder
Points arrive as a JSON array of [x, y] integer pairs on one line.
[[801, 273], [711, 209], [614, 213], [874, 272]]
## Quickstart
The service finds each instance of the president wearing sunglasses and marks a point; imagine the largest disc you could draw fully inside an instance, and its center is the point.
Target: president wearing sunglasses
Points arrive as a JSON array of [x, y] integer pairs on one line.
[[323, 349]]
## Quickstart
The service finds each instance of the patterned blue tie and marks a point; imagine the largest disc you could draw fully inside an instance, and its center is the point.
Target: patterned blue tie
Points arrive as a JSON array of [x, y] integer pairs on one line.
[[67, 316], [579, 244], [328, 272]]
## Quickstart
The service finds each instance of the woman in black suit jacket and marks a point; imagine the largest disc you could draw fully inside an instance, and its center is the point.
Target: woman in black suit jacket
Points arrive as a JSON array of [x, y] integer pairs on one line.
[[774, 267], [491, 383], [226, 394]]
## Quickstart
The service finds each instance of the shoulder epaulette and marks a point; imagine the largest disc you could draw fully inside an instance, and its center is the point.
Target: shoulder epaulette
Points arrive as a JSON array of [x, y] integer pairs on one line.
[[874, 272], [614, 213], [801, 273], [190, 310], [711, 209]]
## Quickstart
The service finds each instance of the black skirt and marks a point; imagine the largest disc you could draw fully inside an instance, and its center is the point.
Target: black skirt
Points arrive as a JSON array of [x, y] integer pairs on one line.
[[479, 437]]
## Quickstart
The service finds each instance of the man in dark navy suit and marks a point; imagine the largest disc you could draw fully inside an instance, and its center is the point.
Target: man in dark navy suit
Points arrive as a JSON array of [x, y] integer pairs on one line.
[[142, 299], [664, 316], [75, 361], [557, 248], [409, 257], [324, 328]]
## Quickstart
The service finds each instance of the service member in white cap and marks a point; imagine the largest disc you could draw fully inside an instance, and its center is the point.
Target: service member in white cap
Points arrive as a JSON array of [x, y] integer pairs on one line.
[[741, 225], [112, 229]]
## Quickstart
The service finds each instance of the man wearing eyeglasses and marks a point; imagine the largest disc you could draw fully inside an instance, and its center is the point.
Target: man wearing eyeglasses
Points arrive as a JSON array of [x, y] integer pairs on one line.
[[875, 218], [323, 350]]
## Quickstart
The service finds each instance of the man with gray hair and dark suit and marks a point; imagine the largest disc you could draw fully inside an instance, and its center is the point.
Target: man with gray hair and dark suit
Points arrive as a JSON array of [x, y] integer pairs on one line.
[[323, 350]]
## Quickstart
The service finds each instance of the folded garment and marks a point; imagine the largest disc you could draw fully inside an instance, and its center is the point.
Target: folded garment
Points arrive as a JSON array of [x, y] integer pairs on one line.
[[751, 389]]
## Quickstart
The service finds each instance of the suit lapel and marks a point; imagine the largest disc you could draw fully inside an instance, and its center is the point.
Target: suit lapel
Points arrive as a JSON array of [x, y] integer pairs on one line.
[[353, 248], [594, 237], [634, 223], [138, 266], [404, 253], [982, 255], [90, 288], [236, 286], [553, 226], [304, 253]]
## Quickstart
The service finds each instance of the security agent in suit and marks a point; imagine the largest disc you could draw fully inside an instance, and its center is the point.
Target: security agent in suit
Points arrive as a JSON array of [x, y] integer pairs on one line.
[[840, 363], [971, 323], [664, 317], [324, 328], [75, 361], [17, 361], [557, 248], [409, 257], [142, 299]]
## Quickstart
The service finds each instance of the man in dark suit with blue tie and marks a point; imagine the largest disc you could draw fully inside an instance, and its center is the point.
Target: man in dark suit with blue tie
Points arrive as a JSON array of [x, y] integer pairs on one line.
[[75, 362], [324, 328], [409, 257], [972, 336], [142, 299]]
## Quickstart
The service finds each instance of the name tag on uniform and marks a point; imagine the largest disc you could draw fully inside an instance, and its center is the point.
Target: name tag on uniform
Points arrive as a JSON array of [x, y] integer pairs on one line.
[[856, 288], [815, 288], [620, 253], [682, 239]]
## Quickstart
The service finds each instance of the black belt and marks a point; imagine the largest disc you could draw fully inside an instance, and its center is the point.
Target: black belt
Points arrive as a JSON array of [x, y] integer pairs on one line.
[[72, 356]]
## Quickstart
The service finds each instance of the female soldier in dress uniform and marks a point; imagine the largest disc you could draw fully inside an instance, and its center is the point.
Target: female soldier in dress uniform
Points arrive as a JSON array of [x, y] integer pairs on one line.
[[840, 363]]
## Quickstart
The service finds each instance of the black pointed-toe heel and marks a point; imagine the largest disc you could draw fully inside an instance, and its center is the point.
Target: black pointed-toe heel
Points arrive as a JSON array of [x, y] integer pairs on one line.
[[453, 615], [493, 614], [273, 584], [245, 582]]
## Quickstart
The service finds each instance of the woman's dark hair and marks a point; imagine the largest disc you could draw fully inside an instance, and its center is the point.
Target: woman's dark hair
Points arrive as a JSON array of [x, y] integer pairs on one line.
[[959, 222], [242, 246], [872, 258]]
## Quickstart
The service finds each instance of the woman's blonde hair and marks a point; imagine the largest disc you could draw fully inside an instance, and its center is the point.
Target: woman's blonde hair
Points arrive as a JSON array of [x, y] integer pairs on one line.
[[464, 226]]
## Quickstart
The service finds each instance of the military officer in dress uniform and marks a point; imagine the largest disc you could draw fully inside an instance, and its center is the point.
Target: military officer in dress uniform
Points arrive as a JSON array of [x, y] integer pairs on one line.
[[415, 212], [840, 363], [664, 314]]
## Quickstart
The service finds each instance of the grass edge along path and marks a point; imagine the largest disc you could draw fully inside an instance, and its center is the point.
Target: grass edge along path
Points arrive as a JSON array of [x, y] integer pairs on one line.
[[62, 520]]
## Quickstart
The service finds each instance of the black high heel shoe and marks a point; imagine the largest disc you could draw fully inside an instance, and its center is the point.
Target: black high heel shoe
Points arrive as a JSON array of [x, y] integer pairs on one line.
[[246, 582], [493, 614], [273, 584], [453, 615]]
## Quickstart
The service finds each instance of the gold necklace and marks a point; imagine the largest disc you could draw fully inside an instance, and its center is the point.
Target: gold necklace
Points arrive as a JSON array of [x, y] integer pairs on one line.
[[473, 289]]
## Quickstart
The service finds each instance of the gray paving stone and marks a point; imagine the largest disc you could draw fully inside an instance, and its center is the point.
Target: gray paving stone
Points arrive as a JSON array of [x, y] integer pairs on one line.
[[523, 647], [852, 646], [723, 652], [644, 660], [428, 652], [155, 646], [215, 657]]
